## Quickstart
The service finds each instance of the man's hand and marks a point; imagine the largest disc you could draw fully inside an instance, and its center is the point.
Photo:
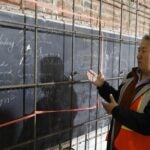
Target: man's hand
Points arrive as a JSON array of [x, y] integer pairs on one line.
[[110, 106], [96, 79]]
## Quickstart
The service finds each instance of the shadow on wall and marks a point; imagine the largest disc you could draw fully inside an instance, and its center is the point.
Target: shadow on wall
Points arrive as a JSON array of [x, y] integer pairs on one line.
[[55, 97], [7, 133]]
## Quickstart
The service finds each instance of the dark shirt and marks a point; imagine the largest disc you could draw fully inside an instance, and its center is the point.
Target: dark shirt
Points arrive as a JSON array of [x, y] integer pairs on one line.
[[139, 122]]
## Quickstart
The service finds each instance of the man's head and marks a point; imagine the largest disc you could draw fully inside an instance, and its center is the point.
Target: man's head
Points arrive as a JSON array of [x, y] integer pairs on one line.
[[143, 57]]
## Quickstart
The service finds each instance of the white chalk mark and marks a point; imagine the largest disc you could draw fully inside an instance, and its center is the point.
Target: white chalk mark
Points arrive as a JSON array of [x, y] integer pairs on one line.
[[21, 61], [28, 47]]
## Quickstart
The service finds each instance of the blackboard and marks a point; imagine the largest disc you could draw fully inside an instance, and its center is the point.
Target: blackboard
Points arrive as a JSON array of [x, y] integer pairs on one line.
[[120, 57], [60, 57]]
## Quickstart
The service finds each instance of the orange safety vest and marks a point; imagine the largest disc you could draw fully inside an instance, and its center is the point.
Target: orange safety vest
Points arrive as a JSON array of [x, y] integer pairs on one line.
[[128, 139]]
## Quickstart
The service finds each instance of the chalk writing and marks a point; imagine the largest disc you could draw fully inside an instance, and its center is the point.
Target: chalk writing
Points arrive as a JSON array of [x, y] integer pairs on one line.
[[5, 42], [7, 99]]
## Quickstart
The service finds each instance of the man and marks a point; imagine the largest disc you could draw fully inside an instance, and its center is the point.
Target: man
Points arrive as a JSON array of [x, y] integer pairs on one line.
[[129, 105]]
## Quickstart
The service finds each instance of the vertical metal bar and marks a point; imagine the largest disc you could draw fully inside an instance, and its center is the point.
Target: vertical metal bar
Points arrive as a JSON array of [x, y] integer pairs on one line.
[[64, 39], [90, 87], [86, 138], [129, 55], [149, 28], [22, 5], [136, 21], [24, 68], [113, 15], [113, 42], [129, 34], [144, 19], [91, 64], [77, 143], [99, 63], [101, 137], [120, 47], [24, 65], [120, 44], [73, 42], [35, 74], [100, 36], [144, 22]]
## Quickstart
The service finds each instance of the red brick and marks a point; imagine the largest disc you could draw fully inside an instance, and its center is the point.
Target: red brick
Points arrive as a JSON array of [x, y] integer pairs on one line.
[[29, 5], [17, 2], [77, 2], [110, 14]]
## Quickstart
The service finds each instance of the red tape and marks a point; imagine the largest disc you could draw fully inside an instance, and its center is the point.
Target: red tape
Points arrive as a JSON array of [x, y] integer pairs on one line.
[[48, 111], [65, 110], [17, 120]]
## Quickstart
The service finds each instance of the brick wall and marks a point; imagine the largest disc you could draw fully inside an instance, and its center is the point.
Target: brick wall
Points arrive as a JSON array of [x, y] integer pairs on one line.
[[86, 12]]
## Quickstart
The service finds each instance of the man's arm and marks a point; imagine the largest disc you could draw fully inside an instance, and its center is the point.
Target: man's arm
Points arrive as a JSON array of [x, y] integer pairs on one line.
[[103, 87], [139, 122], [106, 90]]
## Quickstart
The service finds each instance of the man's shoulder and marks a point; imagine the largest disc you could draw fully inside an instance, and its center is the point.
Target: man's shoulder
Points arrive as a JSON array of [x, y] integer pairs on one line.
[[129, 75], [132, 73]]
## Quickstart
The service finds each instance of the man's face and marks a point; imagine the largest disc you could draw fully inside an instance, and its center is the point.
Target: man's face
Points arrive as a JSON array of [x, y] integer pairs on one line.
[[143, 57]]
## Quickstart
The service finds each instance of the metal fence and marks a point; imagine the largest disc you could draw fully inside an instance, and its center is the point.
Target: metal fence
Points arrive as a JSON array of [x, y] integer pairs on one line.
[[44, 91]]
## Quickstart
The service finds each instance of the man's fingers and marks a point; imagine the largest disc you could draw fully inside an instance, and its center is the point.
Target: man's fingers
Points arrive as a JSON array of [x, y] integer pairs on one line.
[[91, 77], [107, 107], [104, 104], [113, 101], [112, 98], [92, 72]]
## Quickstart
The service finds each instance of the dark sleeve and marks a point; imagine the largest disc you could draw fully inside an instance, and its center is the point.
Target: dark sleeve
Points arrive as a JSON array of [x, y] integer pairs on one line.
[[139, 122], [106, 90]]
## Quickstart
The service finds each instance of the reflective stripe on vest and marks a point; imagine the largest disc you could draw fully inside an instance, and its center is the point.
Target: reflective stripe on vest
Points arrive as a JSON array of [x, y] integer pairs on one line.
[[128, 139]]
